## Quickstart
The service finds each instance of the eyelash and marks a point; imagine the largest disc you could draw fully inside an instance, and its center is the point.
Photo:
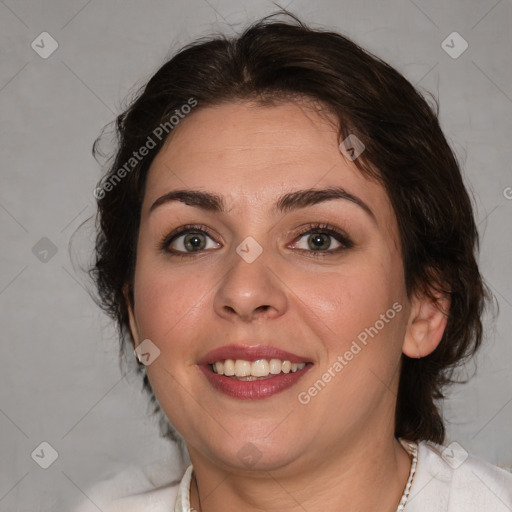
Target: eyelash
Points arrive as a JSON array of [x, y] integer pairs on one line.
[[315, 228]]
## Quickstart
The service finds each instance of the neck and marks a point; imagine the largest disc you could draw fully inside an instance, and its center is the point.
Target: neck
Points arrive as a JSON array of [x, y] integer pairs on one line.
[[368, 476]]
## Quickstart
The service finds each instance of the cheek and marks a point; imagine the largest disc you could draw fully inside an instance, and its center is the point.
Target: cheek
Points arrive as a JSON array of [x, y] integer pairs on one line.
[[361, 316], [168, 304], [169, 309], [350, 300]]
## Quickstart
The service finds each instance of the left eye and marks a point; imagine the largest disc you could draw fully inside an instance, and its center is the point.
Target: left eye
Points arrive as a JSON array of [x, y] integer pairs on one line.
[[317, 241]]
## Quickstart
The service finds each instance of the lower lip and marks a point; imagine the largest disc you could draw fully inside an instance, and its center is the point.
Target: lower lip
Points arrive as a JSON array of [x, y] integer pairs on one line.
[[253, 389]]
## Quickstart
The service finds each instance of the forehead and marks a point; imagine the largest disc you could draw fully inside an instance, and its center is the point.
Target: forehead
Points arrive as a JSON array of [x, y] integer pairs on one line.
[[253, 153]]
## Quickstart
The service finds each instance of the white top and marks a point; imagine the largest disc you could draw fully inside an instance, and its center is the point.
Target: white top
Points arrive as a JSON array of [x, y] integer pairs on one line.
[[446, 480]]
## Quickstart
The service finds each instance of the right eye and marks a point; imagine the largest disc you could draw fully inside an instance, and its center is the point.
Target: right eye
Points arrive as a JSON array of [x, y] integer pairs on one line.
[[187, 240]]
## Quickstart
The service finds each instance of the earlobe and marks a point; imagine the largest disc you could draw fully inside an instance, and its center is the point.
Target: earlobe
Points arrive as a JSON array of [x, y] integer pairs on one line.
[[426, 327]]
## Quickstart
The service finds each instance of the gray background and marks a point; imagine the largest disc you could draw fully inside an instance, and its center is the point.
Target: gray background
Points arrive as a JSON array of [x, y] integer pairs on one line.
[[61, 381]]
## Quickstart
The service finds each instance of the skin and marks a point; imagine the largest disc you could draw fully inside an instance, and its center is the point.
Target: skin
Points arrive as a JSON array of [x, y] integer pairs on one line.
[[337, 452]]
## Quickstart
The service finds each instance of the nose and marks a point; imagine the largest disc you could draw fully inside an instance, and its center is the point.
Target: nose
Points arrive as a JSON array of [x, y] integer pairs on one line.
[[250, 291]]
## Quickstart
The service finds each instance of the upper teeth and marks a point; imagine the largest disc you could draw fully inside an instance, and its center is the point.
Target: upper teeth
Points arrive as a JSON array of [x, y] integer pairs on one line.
[[258, 368]]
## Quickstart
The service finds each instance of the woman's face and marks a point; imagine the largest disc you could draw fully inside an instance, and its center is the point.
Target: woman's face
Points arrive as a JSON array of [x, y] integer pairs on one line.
[[272, 270]]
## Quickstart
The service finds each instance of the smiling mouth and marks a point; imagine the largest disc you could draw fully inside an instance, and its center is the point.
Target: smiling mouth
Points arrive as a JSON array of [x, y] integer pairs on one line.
[[260, 369]]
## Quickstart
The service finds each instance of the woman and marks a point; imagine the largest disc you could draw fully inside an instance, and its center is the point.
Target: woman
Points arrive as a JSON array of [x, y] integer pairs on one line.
[[286, 242]]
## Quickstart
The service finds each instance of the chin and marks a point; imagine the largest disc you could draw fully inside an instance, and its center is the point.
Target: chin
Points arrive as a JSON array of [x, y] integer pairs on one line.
[[256, 454]]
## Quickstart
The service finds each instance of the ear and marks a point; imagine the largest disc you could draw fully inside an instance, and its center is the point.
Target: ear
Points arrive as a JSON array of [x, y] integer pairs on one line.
[[427, 323], [134, 329]]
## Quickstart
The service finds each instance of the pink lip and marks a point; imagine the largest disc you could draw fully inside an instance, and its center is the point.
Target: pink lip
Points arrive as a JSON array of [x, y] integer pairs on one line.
[[250, 353], [255, 389]]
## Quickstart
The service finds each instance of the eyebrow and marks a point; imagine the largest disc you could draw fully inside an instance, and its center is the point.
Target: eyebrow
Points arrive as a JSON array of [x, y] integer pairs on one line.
[[287, 202]]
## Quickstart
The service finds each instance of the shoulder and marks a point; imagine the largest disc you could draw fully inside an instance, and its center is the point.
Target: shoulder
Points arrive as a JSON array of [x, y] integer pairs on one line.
[[152, 488], [449, 479]]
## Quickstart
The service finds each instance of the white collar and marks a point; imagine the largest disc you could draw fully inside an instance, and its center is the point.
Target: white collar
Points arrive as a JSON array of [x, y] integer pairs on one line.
[[183, 498]]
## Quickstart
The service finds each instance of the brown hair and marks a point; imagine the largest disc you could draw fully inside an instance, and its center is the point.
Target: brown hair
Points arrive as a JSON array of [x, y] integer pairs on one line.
[[406, 152]]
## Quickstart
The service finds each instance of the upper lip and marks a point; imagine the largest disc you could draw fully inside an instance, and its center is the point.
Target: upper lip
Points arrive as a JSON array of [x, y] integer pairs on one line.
[[250, 353]]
